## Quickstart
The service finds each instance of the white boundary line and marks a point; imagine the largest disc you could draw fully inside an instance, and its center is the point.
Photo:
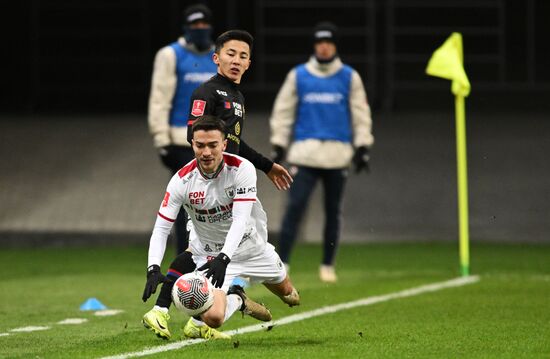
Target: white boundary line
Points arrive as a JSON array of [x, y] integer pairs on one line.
[[68, 321], [457, 282]]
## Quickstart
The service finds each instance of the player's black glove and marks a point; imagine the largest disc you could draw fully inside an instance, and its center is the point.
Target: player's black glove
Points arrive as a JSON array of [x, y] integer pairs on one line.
[[361, 159], [216, 269], [277, 154], [154, 278]]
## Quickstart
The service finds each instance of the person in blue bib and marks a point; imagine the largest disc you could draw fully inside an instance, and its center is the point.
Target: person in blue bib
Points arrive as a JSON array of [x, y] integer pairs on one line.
[[321, 122], [179, 69]]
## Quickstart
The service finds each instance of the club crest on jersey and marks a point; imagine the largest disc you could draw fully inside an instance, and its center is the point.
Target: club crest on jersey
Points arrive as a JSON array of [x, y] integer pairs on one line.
[[198, 108], [227, 104], [230, 192]]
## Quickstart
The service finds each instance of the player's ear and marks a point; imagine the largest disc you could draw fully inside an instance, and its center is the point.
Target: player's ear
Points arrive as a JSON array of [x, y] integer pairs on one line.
[[247, 65], [224, 144], [216, 58]]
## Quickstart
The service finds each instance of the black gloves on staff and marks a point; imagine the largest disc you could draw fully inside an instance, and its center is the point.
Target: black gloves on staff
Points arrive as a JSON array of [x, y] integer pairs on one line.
[[168, 155], [216, 269], [361, 159], [277, 154]]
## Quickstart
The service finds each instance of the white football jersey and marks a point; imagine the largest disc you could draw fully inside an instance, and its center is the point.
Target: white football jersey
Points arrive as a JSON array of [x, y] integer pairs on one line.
[[209, 202]]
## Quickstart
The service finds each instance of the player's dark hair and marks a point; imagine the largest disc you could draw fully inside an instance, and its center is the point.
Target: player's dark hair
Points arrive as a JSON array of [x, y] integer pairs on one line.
[[239, 35], [208, 123]]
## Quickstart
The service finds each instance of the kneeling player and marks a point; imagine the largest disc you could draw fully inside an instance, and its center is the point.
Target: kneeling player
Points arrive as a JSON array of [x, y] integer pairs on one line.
[[229, 237]]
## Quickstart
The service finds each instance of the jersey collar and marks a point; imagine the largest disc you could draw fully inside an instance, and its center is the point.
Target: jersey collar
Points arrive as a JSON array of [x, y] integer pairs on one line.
[[224, 79], [208, 176]]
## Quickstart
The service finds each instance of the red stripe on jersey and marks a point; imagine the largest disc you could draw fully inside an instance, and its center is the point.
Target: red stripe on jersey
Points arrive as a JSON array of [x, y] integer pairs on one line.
[[231, 160], [166, 218], [244, 200], [187, 168]]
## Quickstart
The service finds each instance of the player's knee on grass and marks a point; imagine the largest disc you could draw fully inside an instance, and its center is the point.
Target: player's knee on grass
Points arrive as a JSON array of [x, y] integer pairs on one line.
[[213, 319], [182, 264]]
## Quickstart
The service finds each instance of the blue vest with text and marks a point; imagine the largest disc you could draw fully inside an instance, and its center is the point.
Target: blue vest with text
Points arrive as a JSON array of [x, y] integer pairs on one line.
[[323, 106], [191, 70]]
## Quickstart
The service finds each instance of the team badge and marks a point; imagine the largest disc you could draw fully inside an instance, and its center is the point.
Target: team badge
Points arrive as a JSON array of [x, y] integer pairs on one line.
[[237, 128], [227, 104], [198, 108], [230, 192]]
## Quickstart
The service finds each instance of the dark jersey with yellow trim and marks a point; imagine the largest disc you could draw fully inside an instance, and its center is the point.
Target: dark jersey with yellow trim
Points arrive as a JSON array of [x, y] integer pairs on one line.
[[221, 97]]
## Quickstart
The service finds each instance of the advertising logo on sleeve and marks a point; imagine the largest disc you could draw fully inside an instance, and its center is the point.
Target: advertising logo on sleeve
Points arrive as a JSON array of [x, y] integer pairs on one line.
[[166, 199], [198, 108]]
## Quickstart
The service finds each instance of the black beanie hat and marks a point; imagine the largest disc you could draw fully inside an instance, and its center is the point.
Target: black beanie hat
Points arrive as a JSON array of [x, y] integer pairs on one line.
[[325, 31], [198, 12]]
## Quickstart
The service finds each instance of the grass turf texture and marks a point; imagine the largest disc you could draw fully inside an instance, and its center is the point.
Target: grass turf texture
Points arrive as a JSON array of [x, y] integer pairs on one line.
[[505, 315]]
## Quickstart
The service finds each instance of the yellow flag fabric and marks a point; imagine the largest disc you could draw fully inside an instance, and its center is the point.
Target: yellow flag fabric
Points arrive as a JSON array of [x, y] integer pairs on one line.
[[447, 62]]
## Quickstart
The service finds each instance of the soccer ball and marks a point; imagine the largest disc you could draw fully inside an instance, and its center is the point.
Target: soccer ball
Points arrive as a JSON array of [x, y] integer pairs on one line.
[[193, 294]]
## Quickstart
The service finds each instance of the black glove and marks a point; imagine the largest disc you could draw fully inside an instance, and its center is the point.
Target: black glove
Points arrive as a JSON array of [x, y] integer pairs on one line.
[[277, 154], [169, 157], [216, 269], [361, 159], [154, 278]]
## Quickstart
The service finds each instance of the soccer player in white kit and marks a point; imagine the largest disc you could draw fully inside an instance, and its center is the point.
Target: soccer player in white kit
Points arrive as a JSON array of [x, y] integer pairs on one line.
[[229, 236]]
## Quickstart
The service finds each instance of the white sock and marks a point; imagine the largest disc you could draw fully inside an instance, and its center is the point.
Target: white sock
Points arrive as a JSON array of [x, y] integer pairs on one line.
[[234, 302], [162, 309], [198, 323]]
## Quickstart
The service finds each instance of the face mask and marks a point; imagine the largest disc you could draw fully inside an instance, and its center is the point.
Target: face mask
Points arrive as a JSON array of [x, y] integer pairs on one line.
[[199, 37], [326, 61]]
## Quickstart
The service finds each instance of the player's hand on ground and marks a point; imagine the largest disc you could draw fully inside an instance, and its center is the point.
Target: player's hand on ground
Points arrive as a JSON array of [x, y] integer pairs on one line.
[[361, 159], [154, 278], [216, 269], [280, 177]]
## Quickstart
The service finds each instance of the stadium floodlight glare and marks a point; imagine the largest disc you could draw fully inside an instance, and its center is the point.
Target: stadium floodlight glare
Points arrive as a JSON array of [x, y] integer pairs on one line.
[[447, 62]]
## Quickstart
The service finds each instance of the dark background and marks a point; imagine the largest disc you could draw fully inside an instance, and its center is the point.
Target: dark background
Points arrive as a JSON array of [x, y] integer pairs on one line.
[[93, 56], [77, 163]]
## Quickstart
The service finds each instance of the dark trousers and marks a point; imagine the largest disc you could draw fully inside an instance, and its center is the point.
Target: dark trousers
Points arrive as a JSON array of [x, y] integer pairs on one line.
[[334, 181], [175, 159]]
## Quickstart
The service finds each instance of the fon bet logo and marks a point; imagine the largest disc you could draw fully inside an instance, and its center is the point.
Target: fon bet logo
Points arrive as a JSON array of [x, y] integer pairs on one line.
[[238, 109]]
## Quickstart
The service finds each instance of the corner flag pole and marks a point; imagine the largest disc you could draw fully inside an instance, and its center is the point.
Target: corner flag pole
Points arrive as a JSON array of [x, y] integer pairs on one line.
[[447, 62], [462, 179]]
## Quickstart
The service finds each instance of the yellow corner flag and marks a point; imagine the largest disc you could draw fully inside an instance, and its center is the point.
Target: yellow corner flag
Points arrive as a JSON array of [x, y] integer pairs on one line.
[[447, 62]]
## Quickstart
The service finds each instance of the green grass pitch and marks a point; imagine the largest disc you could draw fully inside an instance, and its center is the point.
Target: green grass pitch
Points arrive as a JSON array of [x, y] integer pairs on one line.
[[504, 315]]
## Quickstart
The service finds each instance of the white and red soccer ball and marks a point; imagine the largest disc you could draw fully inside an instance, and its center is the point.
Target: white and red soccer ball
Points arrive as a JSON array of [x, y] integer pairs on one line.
[[193, 293]]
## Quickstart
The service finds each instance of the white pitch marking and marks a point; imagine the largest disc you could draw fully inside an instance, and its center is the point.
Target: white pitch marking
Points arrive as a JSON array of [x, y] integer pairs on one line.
[[457, 282], [73, 321], [108, 312], [4, 334], [28, 329]]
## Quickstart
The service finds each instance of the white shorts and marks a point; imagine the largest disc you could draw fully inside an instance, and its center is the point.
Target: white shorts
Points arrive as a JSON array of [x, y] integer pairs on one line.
[[267, 267]]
